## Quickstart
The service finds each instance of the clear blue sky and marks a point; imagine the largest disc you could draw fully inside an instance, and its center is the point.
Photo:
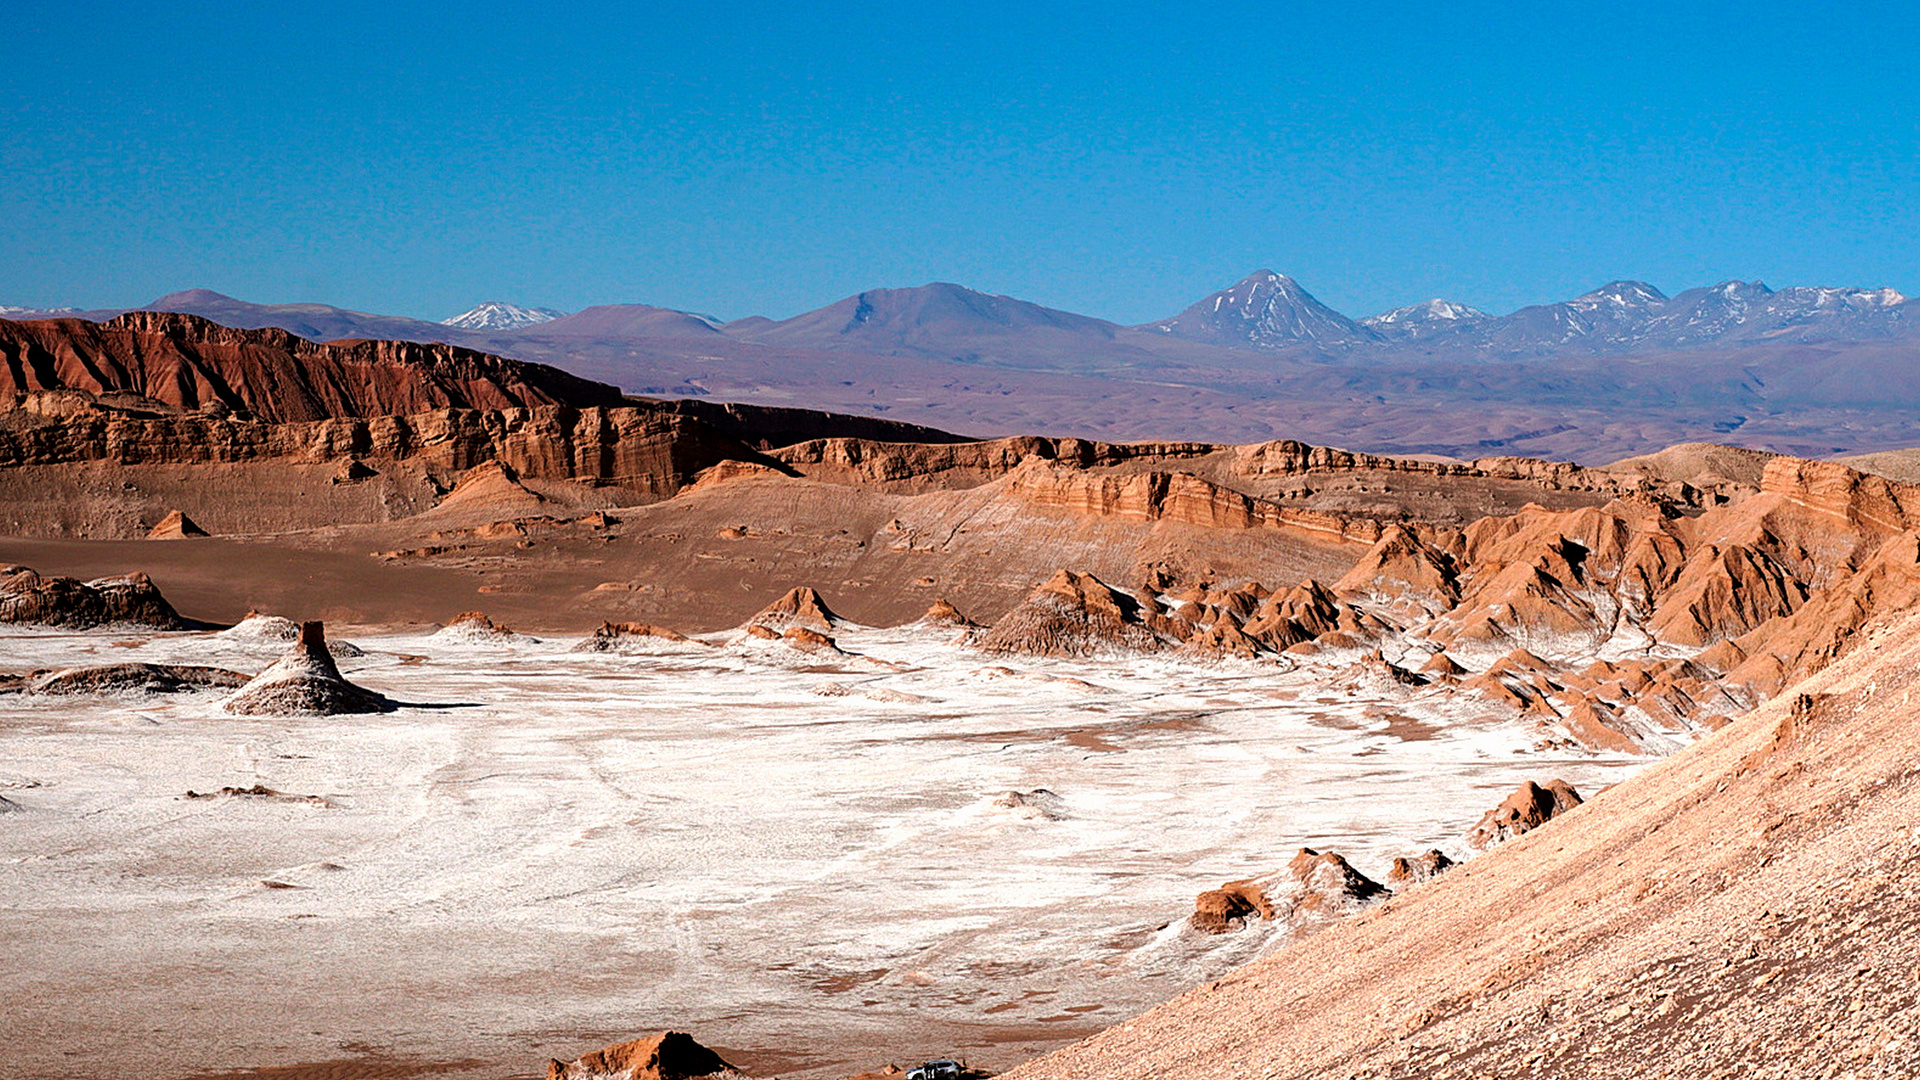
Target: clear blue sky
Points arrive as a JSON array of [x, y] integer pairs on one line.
[[1120, 160]]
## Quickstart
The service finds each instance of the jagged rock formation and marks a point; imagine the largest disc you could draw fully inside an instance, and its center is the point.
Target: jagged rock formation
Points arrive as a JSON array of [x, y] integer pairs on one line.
[[1174, 496], [1329, 885], [671, 1055], [1528, 808], [801, 607], [158, 362], [27, 597], [176, 526], [1073, 615], [305, 682], [133, 678]]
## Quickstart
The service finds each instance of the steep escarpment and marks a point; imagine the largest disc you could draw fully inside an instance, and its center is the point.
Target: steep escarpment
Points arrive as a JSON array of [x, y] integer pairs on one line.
[[638, 448], [147, 361]]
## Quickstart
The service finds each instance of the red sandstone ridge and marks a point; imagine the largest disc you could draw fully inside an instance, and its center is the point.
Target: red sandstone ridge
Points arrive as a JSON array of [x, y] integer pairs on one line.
[[147, 361], [672, 1055]]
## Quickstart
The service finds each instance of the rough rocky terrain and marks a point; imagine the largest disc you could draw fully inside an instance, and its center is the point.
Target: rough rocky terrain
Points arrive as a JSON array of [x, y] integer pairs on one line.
[[1743, 908], [1356, 653]]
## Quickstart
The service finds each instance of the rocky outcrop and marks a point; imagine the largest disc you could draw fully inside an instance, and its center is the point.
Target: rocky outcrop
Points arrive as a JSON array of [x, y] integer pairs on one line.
[[475, 628], [1230, 907], [1329, 885], [1073, 614], [492, 488], [1402, 567], [1528, 808], [800, 607], [176, 526], [618, 637], [133, 678], [1405, 871], [941, 613], [27, 597], [156, 362], [671, 1055], [305, 682]]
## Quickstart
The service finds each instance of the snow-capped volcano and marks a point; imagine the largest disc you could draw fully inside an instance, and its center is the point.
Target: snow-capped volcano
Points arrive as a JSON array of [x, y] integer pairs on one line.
[[1264, 310], [1418, 321], [500, 315]]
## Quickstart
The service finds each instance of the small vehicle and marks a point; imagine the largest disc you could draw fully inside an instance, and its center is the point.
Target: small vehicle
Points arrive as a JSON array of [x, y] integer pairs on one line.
[[939, 1069]]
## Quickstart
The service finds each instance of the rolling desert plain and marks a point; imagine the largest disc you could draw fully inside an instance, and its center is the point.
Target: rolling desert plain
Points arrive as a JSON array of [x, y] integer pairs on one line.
[[374, 704]]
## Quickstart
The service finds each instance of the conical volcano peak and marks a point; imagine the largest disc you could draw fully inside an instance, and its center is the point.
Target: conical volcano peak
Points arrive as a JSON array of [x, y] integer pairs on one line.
[[1264, 310]]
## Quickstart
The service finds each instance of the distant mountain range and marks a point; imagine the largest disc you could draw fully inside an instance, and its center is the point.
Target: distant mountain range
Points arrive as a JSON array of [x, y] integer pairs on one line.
[[1801, 369], [1265, 311]]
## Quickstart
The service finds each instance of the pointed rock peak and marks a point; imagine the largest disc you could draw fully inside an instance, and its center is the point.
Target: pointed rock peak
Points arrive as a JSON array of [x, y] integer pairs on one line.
[[801, 606], [176, 526], [1073, 614], [942, 613], [1264, 310], [671, 1055]]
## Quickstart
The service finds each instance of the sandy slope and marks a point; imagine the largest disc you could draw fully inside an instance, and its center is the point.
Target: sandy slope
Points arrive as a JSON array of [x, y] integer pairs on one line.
[[1745, 908]]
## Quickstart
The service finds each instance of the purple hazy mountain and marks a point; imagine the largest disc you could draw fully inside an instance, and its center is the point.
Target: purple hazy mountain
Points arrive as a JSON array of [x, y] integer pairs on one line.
[[617, 321], [943, 321], [315, 322]]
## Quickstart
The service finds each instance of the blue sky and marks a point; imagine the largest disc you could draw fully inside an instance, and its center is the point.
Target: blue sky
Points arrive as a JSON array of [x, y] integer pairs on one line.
[[1120, 160]]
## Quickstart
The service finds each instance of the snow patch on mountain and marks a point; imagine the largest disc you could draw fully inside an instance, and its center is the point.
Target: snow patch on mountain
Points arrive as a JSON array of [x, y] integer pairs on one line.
[[500, 315]]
